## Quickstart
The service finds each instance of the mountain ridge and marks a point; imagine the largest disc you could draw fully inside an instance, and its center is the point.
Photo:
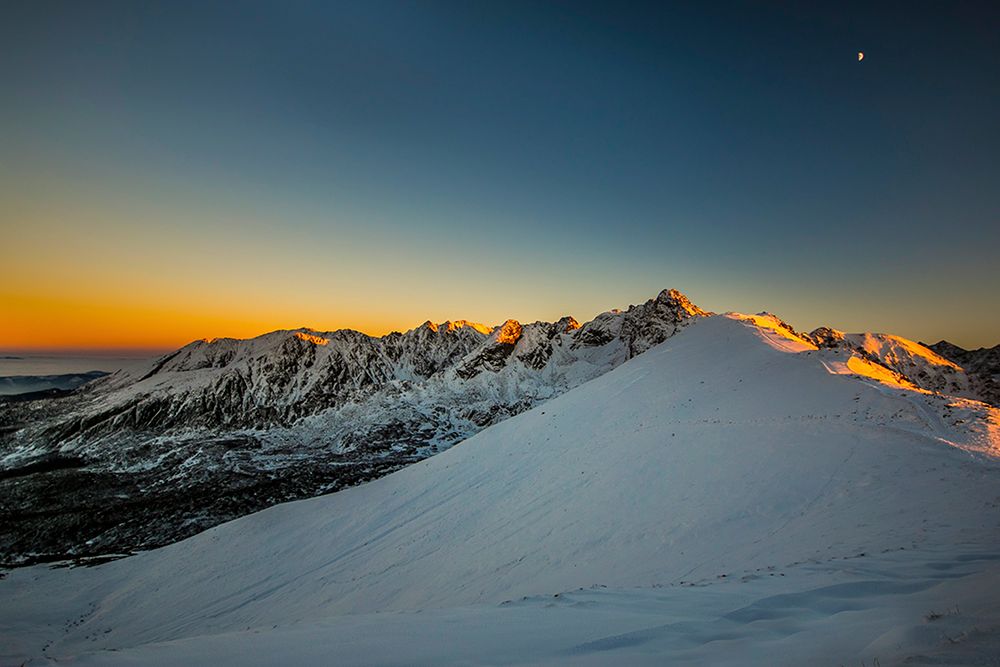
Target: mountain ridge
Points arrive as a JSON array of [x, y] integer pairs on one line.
[[982, 364], [241, 424], [222, 427]]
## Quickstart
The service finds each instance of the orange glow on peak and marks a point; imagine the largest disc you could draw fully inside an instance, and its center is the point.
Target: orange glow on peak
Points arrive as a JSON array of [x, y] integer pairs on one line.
[[509, 332], [571, 324], [458, 324], [309, 338]]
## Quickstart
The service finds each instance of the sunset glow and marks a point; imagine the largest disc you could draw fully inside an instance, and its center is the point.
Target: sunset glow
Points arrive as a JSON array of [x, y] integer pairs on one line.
[[310, 338], [152, 194]]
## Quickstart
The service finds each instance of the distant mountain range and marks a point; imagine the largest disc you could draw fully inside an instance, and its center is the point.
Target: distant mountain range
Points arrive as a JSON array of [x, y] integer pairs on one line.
[[223, 427]]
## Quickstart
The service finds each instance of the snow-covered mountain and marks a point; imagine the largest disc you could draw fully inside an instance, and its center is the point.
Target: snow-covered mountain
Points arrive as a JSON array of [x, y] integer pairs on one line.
[[223, 427], [734, 495], [280, 377]]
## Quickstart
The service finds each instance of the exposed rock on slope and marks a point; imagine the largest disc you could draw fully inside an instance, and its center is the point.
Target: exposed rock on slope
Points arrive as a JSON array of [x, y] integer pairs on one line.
[[982, 365]]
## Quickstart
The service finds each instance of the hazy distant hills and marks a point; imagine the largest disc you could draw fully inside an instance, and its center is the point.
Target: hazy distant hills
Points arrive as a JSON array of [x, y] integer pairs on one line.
[[25, 384], [223, 427]]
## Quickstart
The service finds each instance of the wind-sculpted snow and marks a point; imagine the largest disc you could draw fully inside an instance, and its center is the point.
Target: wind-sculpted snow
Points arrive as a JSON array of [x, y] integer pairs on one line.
[[734, 495]]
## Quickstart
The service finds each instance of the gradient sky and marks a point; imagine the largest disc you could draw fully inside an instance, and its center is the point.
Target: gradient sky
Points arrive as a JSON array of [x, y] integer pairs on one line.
[[171, 171]]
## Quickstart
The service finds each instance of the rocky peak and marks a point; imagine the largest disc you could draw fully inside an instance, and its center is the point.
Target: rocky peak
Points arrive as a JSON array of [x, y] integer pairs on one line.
[[982, 366], [567, 324], [493, 354], [941, 367], [507, 333], [676, 301], [826, 337], [642, 326], [537, 341]]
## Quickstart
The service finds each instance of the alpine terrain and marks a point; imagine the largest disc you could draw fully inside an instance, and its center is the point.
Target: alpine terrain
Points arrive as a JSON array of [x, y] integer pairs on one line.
[[224, 427], [983, 365], [738, 493]]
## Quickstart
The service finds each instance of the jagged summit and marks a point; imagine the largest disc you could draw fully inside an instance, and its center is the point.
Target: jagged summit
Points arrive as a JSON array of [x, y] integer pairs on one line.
[[947, 349], [450, 325], [567, 324], [982, 366], [826, 337], [670, 302], [679, 302], [921, 365], [507, 333], [960, 354]]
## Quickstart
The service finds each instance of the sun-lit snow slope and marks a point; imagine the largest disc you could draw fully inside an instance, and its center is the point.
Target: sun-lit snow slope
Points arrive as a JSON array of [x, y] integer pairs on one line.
[[734, 445], [919, 363]]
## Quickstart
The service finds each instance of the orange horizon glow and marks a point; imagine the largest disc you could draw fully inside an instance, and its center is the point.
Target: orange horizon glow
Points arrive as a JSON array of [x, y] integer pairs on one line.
[[109, 336], [43, 323], [153, 195], [82, 276], [47, 323]]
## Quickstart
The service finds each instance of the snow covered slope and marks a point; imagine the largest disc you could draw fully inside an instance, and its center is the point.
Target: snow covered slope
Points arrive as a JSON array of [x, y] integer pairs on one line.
[[733, 451]]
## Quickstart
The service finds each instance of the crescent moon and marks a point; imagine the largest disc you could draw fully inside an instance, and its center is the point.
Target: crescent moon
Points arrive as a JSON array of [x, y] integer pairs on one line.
[[861, 56]]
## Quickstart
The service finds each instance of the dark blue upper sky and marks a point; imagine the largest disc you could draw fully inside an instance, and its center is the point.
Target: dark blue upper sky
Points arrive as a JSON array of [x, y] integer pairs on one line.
[[511, 159]]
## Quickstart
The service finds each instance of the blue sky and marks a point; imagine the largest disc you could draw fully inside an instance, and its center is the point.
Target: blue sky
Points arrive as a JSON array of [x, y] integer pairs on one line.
[[227, 168]]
